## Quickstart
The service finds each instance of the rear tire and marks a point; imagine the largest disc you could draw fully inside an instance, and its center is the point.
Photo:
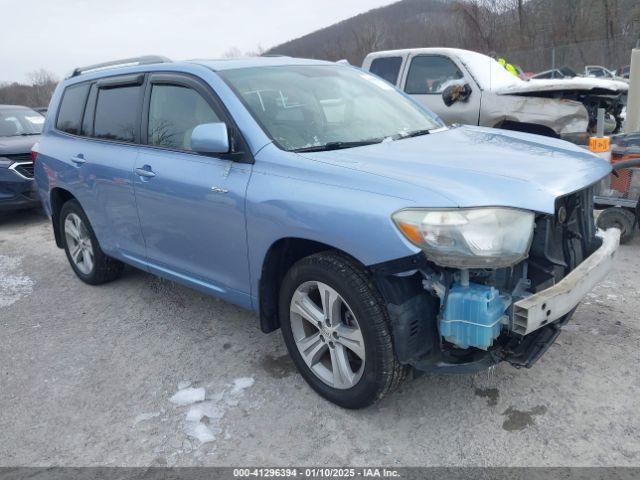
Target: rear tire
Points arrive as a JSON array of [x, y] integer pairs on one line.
[[87, 260], [354, 339], [617, 217]]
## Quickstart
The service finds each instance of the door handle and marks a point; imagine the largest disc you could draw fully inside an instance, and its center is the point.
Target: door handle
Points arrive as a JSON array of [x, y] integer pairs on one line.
[[145, 171], [78, 159]]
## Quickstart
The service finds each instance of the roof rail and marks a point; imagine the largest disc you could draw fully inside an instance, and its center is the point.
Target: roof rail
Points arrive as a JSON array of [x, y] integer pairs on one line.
[[125, 62]]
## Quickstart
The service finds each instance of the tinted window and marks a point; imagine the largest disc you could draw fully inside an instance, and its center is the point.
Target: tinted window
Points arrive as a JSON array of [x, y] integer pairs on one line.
[[71, 108], [174, 112], [116, 113], [431, 74], [387, 68]]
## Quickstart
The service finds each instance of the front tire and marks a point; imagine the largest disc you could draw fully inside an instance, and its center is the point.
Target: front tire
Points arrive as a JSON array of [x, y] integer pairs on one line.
[[87, 260], [336, 328]]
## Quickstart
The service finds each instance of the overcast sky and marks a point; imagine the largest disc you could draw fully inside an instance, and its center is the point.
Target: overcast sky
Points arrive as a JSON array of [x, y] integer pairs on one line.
[[59, 35]]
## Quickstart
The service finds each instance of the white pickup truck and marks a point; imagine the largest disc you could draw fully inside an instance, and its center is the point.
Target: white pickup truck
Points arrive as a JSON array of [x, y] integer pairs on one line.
[[467, 87]]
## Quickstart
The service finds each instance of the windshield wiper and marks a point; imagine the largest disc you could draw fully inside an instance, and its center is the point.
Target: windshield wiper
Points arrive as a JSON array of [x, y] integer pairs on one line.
[[337, 145], [415, 133], [27, 134]]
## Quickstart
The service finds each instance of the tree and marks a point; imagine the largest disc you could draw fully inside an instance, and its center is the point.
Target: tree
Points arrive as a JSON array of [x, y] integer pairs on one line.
[[36, 93], [43, 83], [235, 52], [368, 38]]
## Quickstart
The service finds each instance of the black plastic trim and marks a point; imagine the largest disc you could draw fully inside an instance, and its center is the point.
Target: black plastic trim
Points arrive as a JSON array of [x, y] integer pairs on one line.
[[121, 81]]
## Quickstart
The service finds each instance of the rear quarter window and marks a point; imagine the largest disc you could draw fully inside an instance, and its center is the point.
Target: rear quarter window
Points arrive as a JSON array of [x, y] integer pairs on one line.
[[116, 116], [71, 108], [387, 68]]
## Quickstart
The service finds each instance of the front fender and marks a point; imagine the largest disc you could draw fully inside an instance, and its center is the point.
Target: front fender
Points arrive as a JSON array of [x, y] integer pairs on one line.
[[560, 115], [285, 202]]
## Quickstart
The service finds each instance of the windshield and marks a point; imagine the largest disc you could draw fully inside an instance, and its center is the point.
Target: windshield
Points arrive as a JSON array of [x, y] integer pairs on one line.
[[20, 121], [306, 107], [489, 74]]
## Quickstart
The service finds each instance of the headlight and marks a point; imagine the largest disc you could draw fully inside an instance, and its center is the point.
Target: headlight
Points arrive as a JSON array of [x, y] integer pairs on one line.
[[469, 238]]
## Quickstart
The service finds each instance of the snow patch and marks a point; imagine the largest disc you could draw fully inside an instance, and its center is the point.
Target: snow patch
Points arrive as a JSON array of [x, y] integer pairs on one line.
[[206, 409], [143, 417], [13, 284], [184, 384], [187, 396], [199, 431], [203, 419], [239, 384]]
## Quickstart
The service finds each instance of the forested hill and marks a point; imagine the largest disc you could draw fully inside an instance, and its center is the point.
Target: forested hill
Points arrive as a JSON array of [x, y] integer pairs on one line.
[[579, 31]]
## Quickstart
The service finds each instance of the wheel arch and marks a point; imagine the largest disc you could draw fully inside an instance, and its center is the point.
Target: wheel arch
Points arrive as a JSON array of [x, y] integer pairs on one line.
[[57, 198], [280, 257]]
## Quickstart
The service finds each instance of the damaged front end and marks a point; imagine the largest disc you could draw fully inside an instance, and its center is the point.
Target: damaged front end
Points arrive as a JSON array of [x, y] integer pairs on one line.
[[461, 320], [612, 102], [555, 99]]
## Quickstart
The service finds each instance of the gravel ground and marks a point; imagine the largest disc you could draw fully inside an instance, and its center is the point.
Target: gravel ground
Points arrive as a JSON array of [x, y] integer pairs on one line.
[[87, 373]]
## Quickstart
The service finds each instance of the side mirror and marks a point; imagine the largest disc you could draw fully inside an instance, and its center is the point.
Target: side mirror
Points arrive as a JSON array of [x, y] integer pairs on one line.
[[210, 138], [456, 92]]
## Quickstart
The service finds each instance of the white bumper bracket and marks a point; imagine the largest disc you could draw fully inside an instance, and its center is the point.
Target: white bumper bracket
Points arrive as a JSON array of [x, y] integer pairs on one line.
[[549, 305]]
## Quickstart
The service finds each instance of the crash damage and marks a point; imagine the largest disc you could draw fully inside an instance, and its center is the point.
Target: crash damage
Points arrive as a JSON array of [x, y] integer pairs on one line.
[[461, 321], [537, 98], [591, 93]]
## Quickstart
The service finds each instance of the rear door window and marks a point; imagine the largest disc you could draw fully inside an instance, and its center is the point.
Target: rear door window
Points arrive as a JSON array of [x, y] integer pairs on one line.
[[431, 74], [71, 108], [174, 111], [387, 68], [116, 116]]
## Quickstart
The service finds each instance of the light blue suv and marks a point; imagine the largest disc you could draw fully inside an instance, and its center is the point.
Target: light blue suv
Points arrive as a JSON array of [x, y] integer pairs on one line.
[[378, 240]]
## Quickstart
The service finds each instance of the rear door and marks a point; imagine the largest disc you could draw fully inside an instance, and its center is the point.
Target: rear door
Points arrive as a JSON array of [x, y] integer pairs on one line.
[[191, 206], [387, 68], [426, 78], [98, 127]]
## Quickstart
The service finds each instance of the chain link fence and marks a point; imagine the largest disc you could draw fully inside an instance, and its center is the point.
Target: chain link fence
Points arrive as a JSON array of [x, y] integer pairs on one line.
[[613, 54]]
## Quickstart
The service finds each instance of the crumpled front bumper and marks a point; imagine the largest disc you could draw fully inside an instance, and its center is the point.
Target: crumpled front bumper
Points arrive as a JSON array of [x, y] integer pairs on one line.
[[547, 306], [539, 317]]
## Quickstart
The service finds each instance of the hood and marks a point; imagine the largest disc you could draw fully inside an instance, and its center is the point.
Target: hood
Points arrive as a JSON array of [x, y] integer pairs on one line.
[[585, 84], [475, 166], [17, 144]]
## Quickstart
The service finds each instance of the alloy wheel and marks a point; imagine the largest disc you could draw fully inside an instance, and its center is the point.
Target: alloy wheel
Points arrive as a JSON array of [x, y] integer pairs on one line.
[[79, 243], [327, 335]]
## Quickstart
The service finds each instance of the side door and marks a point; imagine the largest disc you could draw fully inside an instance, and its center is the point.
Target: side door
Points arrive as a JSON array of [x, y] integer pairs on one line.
[[426, 78], [192, 206], [387, 68], [101, 156]]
